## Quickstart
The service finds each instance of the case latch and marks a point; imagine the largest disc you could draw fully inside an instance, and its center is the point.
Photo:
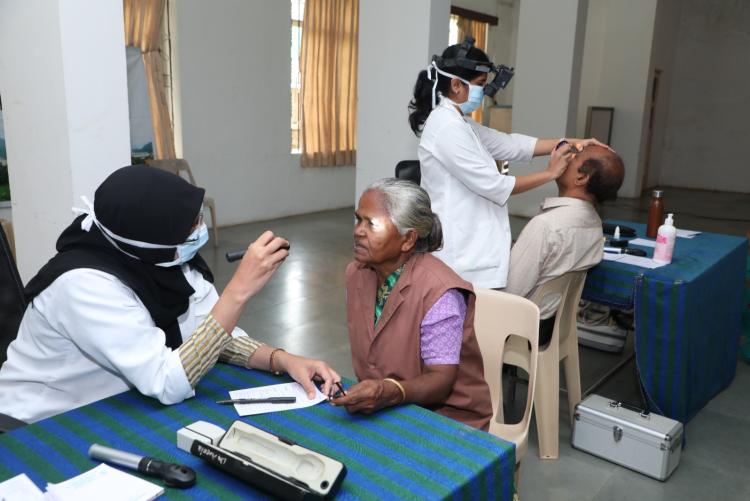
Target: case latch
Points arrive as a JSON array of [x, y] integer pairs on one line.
[[617, 433]]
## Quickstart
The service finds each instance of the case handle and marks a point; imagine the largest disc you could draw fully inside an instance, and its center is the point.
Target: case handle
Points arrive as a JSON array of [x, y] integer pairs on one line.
[[644, 413]]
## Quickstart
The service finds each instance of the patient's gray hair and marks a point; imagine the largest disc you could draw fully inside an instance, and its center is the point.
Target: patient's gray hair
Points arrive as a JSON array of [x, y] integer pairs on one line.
[[409, 208]]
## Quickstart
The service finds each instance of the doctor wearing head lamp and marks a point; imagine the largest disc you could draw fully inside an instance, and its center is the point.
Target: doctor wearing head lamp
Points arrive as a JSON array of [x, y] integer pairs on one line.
[[458, 162], [127, 302]]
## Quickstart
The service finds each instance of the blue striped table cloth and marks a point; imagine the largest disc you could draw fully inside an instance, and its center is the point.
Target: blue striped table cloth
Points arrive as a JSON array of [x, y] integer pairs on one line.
[[400, 453], [687, 318]]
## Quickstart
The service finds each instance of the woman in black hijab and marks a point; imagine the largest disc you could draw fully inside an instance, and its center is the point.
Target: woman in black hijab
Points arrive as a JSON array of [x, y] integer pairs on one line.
[[128, 302]]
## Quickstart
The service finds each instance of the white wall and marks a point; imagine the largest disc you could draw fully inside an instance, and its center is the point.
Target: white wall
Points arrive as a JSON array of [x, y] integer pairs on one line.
[[703, 101], [706, 124], [501, 39], [232, 65], [547, 82], [504, 39], [666, 29], [616, 72], [65, 106], [390, 60]]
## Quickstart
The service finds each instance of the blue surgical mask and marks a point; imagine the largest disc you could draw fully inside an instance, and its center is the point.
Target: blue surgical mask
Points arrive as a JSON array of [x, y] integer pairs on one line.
[[476, 95], [476, 92], [188, 250]]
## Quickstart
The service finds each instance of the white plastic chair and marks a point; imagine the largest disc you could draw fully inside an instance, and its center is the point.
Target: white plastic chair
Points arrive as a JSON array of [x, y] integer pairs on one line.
[[563, 347], [500, 317], [178, 165]]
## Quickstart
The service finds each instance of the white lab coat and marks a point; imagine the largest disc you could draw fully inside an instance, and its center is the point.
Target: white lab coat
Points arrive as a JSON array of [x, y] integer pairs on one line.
[[88, 336], [457, 157]]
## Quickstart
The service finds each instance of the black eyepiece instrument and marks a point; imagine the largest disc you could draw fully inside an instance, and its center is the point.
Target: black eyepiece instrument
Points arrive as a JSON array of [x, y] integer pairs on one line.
[[173, 475]]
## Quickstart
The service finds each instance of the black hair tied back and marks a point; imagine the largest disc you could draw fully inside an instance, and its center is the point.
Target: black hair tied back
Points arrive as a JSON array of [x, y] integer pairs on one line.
[[421, 106]]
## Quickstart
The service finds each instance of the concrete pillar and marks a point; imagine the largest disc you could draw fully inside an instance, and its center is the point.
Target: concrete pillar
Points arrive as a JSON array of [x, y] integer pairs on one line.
[[63, 84], [546, 83], [396, 41]]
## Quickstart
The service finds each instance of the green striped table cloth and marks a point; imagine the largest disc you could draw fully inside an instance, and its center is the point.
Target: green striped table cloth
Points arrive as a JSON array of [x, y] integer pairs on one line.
[[687, 318], [401, 453]]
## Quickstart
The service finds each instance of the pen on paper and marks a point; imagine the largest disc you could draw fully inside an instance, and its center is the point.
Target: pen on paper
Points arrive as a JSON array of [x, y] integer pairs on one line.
[[340, 393], [269, 400]]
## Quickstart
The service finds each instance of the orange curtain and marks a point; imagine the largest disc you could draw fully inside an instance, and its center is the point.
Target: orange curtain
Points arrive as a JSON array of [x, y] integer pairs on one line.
[[477, 30], [328, 65], [143, 29]]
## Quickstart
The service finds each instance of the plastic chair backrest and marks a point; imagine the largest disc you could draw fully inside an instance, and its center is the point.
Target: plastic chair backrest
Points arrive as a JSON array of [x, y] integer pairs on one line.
[[499, 316], [409, 169], [174, 165], [569, 286], [12, 298]]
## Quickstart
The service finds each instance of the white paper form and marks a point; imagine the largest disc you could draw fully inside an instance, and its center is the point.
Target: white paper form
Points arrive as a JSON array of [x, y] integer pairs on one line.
[[275, 390], [610, 256], [652, 243], [642, 262], [104, 482], [642, 242], [686, 233], [20, 488]]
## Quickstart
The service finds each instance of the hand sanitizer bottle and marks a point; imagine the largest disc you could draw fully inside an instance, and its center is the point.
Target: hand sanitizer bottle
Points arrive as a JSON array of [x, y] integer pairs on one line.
[[665, 238]]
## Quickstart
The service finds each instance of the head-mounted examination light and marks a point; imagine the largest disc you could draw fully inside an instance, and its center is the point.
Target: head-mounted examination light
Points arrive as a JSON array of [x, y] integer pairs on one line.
[[503, 74]]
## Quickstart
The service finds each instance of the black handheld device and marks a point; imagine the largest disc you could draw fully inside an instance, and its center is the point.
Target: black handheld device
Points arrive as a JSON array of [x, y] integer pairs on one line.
[[268, 462], [173, 475], [237, 255], [635, 252]]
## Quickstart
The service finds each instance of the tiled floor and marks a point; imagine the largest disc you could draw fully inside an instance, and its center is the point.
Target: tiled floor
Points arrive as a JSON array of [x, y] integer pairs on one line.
[[302, 310]]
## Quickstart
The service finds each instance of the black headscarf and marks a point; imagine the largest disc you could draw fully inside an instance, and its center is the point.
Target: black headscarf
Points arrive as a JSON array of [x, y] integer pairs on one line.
[[139, 203]]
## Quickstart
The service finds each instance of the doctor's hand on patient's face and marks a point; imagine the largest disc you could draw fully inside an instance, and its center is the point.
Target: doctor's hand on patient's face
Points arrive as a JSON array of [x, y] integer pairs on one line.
[[582, 143], [560, 158], [262, 258]]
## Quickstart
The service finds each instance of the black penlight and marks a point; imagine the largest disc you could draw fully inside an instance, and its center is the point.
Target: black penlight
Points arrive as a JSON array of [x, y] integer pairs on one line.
[[237, 255]]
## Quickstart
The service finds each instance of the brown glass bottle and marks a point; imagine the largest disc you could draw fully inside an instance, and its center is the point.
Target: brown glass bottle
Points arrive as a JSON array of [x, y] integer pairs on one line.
[[655, 213]]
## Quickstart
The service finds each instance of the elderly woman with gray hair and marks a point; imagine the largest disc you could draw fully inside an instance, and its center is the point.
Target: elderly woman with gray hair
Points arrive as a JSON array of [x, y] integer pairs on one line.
[[410, 317]]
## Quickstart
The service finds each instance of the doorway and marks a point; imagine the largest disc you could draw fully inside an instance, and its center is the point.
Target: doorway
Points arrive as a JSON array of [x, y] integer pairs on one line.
[[650, 131]]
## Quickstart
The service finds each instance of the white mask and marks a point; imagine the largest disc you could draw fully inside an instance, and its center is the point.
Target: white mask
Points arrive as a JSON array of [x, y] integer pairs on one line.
[[185, 251], [473, 91]]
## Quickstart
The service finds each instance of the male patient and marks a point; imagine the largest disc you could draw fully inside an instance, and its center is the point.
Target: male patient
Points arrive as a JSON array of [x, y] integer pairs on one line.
[[567, 234]]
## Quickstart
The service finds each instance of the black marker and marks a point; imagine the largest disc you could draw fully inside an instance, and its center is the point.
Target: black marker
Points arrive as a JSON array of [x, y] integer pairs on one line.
[[174, 475], [625, 250]]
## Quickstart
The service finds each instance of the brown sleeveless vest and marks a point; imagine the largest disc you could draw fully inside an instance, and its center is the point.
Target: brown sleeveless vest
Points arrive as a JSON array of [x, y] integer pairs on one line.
[[391, 348]]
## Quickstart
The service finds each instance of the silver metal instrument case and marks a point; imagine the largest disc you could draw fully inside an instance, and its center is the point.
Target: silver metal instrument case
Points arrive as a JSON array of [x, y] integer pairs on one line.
[[644, 442]]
